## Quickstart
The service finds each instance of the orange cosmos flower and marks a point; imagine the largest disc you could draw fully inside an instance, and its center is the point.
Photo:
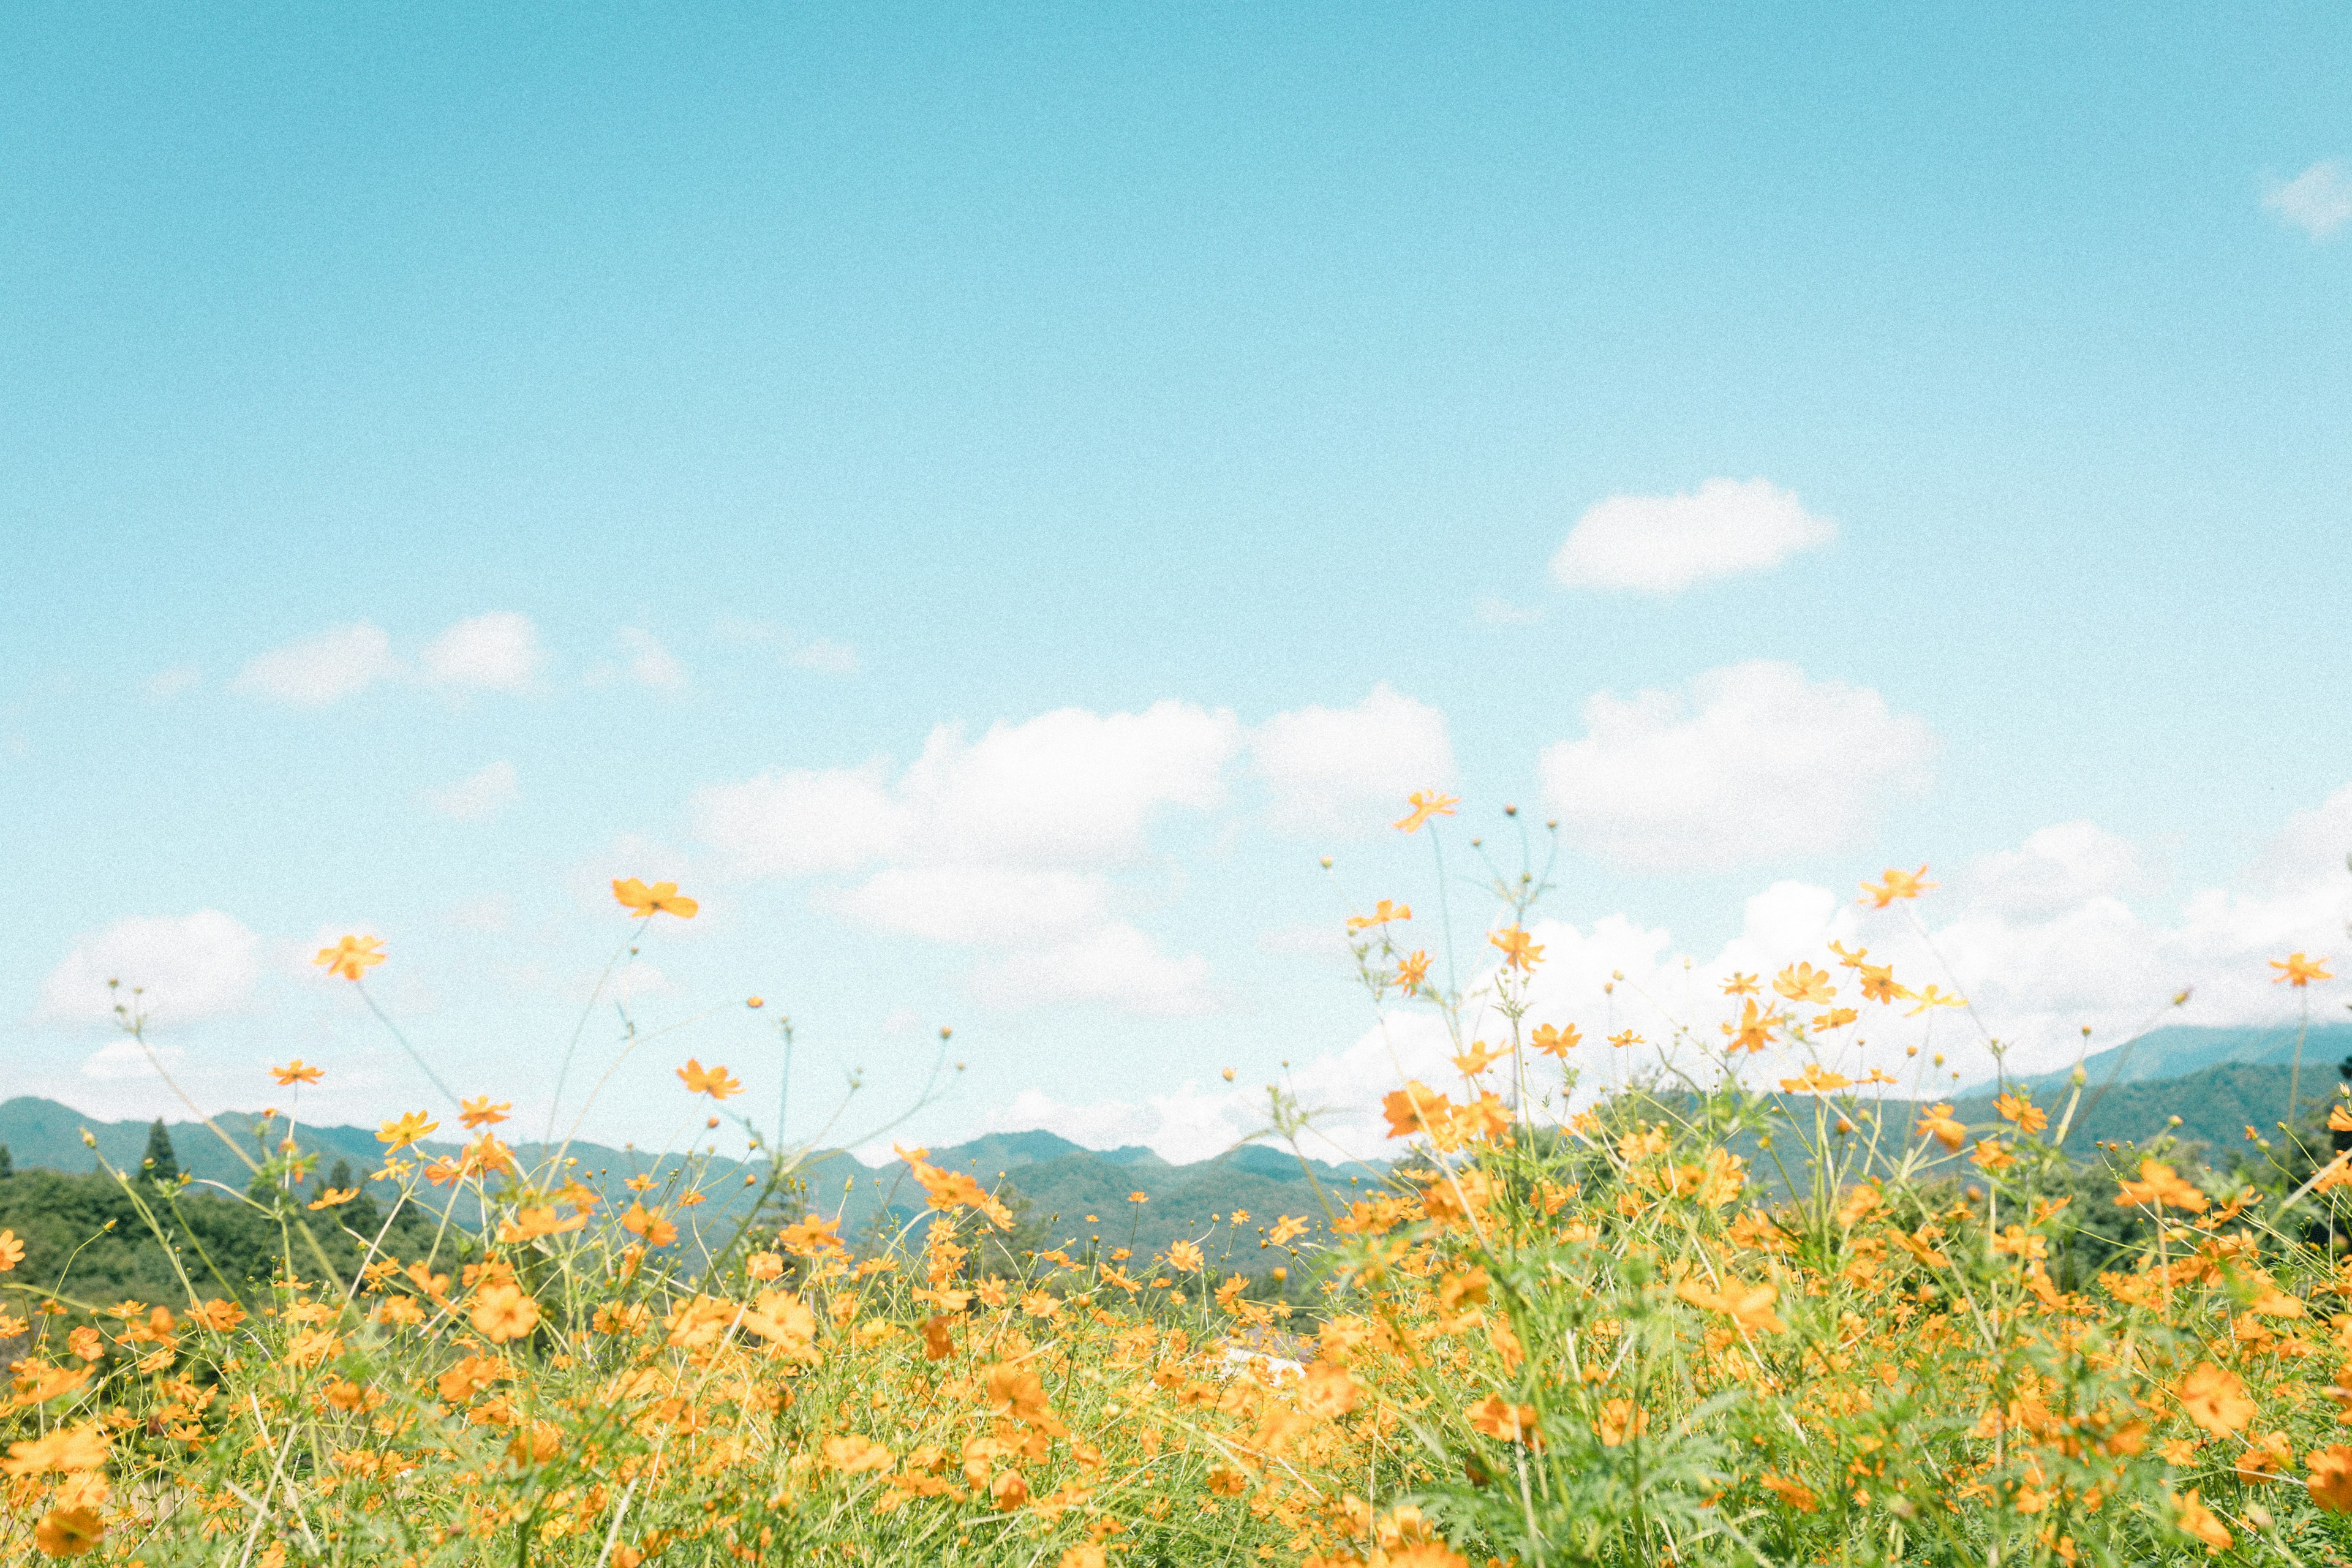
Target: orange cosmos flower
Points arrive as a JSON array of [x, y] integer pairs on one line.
[[2160, 1185], [1739, 985], [1621, 1419], [1937, 1122], [1519, 952], [1878, 983], [1835, 1018], [810, 1237], [2195, 1519], [853, 1454], [2298, 971], [479, 1112], [65, 1451], [1413, 969], [1426, 803], [409, 1129], [1556, 1042], [1383, 913], [333, 1197], [11, 1251], [712, 1081], [2029, 1117], [1415, 1108], [662, 897], [2215, 1399], [1849, 960], [1476, 1059], [1795, 1493], [351, 957], [1185, 1257], [1896, 885], [69, 1532], [1803, 983], [1813, 1080], [1625, 1038], [649, 1224], [502, 1312], [1496, 1417], [1931, 997], [1754, 1030], [2331, 1478], [295, 1072]]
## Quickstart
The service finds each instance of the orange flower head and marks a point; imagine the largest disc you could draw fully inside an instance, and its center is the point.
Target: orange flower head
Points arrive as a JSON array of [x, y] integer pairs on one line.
[[2215, 1399], [1426, 803], [2331, 1478], [399, 1133], [11, 1251], [502, 1312], [69, 1532], [2195, 1519], [1412, 970], [1386, 911], [1739, 985], [2029, 1117], [295, 1072], [1476, 1059], [1813, 1080], [351, 957], [1896, 885], [1519, 952], [479, 1112], [1556, 1042], [644, 902], [1937, 1123], [1496, 1417], [712, 1081], [1803, 983], [2297, 971]]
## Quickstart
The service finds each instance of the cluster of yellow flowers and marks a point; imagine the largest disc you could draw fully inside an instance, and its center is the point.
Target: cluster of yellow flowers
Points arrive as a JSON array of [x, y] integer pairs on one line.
[[1726, 1321]]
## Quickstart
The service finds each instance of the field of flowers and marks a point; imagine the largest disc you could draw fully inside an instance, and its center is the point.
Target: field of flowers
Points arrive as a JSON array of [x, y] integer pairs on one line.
[[1716, 1318]]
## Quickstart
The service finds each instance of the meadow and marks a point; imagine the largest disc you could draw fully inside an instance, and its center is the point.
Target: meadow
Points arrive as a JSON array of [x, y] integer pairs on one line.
[[1717, 1315]]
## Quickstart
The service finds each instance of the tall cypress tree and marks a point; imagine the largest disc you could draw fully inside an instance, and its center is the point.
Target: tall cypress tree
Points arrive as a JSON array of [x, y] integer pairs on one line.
[[160, 1162]]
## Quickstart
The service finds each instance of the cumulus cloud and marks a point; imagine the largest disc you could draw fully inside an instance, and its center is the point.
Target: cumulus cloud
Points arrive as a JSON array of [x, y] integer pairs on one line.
[[477, 796], [495, 652], [325, 669], [1662, 544], [648, 662], [2319, 201], [1328, 767], [798, 822], [1006, 844], [1114, 964], [2058, 865], [186, 968], [1754, 763]]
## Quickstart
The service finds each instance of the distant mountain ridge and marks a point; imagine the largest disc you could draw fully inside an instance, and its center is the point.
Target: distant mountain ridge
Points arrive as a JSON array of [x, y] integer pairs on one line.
[[1063, 1183], [2178, 1050]]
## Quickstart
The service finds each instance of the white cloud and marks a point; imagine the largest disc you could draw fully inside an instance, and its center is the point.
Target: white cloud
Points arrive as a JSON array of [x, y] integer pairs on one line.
[[2319, 201], [495, 652], [2061, 865], [189, 968], [1757, 764], [648, 663], [1328, 766], [1114, 963], [797, 822], [477, 796], [1067, 788], [126, 1059], [166, 684], [825, 657], [1662, 544], [325, 669], [987, 905]]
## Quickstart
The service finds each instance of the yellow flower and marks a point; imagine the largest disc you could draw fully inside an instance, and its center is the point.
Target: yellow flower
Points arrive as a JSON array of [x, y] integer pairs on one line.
[[333, 1197], [1519, 952], [409, 1129], [2215, 1399], [1896, 885], [1931, 997], [1937, 1123], [1803, 983], [351, 957], [1426, 803], [1795, 1494], [2331, 1478], [2195, 1519], [502, 1312], [712, 1081], [1412, 970], [2030, 1118], [853, 1454], [1621, 1419], [1387, 909], [2161, 1186], [1476, 1059], [295, 1072], [1753, 1032], [11, 1251], [2298, 971], [662, 897], [68, 1532], [1816, 1081], [479, 1112], [64, 1451], [1496, 1417], [1555, 1042], [1185, 1257], [1739, 985]]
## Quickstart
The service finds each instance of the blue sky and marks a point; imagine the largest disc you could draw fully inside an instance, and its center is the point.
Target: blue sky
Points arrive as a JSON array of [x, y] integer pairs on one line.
[[786, 387]]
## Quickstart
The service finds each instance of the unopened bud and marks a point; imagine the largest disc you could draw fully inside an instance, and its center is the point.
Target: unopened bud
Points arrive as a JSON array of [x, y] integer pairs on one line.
[[1228, 1075], [1510, 811], [1327, 862], [2078, 1075]]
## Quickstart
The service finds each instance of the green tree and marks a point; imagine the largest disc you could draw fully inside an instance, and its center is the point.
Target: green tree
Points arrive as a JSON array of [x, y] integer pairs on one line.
[[7, 1165], [162, 1162]]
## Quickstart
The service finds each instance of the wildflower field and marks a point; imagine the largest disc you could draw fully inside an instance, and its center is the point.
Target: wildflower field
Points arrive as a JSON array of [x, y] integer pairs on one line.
[[1713, 1315]]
